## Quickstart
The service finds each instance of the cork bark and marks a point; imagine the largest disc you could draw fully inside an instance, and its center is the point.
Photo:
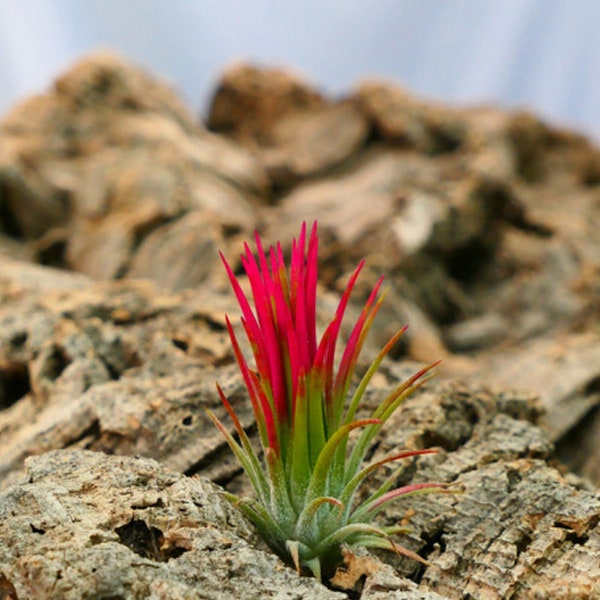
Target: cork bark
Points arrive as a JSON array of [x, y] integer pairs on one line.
[[114, 203]]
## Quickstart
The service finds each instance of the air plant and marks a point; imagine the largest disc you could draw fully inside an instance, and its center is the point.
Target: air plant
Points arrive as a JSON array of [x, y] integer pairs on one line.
[[308, 476]]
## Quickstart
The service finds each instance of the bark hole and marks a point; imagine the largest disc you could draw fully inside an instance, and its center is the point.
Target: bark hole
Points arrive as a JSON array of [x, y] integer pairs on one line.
[[148, 542]]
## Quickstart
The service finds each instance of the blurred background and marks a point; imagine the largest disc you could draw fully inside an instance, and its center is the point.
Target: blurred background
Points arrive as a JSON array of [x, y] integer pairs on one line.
[[537, 54]]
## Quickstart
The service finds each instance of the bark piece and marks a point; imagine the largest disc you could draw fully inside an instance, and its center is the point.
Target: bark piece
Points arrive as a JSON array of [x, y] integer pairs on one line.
[[294, 132], [401, 119], [179, 255], [578, 448], [86, 525], [517, 526], [114, 368], [92, 167], [306, 145], [249, 101], [563, 370], [365, 576]]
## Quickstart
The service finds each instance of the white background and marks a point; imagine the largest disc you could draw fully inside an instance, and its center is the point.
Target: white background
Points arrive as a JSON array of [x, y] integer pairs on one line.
[[541, 54]]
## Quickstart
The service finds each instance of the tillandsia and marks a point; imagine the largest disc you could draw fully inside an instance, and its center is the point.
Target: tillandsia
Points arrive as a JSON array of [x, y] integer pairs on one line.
[[305, 405]]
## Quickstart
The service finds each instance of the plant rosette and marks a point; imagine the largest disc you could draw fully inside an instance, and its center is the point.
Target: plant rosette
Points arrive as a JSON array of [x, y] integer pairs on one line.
[[307, 476]]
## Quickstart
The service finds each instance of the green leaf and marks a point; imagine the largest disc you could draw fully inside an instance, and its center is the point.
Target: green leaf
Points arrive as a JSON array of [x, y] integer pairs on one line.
[[367, 510], [293, 547], [346, 534], [314, 566], [383, 412], [351, 487], [248, 460], [366, 379], [268, 528], [386, 543], [405, 389], [318, 481], [306, 527], [353, 349], [281, 505]]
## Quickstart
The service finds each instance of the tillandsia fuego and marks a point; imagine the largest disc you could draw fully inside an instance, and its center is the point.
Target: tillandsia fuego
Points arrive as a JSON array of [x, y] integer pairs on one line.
[[309, 474]]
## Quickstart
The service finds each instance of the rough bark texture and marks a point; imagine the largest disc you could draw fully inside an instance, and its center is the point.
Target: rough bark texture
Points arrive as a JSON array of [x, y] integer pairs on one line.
[[86, 525], [114, 203], [520, 526]]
